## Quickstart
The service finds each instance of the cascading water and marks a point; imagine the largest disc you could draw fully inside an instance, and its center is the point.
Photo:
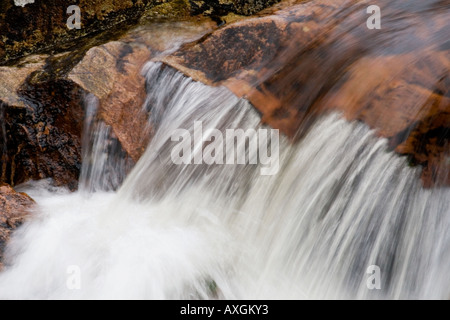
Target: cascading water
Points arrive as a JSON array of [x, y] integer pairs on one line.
[[339, 204], [104, 163]]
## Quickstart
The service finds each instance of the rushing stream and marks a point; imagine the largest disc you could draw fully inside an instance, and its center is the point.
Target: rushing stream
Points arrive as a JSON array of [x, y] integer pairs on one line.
[[339, 204]]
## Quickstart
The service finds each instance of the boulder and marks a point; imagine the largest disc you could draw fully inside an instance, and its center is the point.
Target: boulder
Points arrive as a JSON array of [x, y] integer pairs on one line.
[[313, 57], [41, 26], [33, 26], [42, 101], [14, 209], [293, 62], [113, 73], [41, 126]]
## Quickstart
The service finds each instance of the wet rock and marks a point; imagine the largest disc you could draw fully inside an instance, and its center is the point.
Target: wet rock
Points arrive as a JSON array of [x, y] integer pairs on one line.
[[41, 25], [223, 7], [41, 127], [294, 62], [43, 102], [113, 73], [309, 58], [14, 209], [12, 78]]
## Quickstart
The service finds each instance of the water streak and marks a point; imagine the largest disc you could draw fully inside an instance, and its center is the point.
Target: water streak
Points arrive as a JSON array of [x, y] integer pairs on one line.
[[105, 164]]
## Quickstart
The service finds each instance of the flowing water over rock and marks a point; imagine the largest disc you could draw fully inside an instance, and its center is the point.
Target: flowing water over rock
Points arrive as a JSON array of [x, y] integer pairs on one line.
[[340, 203], [105, 164]]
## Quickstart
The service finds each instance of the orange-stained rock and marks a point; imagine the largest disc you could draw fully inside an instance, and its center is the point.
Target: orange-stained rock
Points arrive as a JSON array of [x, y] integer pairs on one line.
[[42, 101], [14, 209], [318, 56], [113, 73]]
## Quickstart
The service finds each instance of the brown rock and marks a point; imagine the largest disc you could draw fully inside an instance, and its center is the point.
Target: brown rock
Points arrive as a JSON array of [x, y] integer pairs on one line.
[[14, 209], [112, 72], [42, 25], [42, 102], [309, 58], [223, 7]]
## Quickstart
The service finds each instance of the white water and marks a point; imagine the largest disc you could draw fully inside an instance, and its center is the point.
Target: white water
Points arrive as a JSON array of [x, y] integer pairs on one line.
[[340, 203], [22, 3]]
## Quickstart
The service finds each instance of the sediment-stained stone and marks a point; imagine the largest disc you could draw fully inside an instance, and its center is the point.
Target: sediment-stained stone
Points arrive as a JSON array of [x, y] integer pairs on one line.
[[42, 101], [308, 58], [41, 25], [14, 209], [113, 73]]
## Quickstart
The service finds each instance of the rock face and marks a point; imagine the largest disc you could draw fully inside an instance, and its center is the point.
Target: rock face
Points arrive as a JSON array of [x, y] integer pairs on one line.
[[14, 208], [42, 102], [43, 24], [314, 57], [294, 62], [41, 127], [42, 97], [223, 7], [40, 25], [113, 73]]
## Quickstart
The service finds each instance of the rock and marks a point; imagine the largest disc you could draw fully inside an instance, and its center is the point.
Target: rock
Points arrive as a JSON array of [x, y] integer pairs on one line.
[[41, 127], [14, 209], [313, 57], [42, 97], [42, 102], [294, 62], [41, 25], [113, 73], [223, 7]]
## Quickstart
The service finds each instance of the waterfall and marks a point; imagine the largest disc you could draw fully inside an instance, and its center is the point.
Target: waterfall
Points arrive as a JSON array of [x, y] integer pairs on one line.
[[105, 165], [340, 203]]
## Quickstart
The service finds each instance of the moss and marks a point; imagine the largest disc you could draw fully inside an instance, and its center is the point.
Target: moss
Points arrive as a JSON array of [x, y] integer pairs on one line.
[[169, 10]]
